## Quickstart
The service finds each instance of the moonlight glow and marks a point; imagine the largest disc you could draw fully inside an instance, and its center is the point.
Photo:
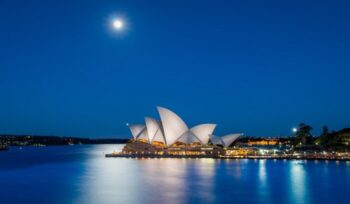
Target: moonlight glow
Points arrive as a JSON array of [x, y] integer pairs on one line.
[[118, 24]]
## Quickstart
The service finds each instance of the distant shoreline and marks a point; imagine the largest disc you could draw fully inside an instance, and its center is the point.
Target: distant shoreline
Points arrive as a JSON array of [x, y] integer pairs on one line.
[[36, 140]]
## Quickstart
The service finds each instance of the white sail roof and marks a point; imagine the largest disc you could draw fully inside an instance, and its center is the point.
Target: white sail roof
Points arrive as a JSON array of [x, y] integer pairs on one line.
[[203, 131], [229, 139], [143, 135], [226, 140], [173, 125], [154, 130], [136, 129], [171, 128], [216, 140], [188, 137]]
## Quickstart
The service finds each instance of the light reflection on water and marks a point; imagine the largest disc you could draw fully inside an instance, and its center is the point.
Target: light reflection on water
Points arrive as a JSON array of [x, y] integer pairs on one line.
[[81, 174], [298, 181], [263, 181]]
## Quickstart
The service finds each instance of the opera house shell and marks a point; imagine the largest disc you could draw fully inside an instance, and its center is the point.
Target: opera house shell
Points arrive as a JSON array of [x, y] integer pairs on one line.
[[171, 130]]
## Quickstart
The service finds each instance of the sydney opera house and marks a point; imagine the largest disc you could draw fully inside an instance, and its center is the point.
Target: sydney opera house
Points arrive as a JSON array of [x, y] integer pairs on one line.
[[170, 136]]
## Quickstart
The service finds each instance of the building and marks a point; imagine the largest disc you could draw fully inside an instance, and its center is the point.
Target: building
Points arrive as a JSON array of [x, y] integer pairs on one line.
[[263, 142], [171, 136]]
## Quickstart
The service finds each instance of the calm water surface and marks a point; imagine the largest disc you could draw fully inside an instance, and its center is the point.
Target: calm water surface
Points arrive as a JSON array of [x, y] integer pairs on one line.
[[81, 174]]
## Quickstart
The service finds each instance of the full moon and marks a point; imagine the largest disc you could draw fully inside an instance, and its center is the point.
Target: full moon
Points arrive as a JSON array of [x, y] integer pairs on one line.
[[118, 24]]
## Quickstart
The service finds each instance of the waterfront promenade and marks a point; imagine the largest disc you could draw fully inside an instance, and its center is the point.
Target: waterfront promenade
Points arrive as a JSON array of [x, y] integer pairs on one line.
[[294, 156]]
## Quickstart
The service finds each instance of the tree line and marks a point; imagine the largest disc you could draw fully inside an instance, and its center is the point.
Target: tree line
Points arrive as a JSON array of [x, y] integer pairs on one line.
[[327, 139]]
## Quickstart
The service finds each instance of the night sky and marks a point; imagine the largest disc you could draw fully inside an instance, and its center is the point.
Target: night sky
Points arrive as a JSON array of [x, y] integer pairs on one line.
[[258, 67]]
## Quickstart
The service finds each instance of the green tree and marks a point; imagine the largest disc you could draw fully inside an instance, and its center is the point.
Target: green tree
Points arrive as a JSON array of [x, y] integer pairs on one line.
[[324, 138], [303, 134], [325, 131]]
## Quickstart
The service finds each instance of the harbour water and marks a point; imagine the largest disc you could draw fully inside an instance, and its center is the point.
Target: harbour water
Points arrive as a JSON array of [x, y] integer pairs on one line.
[[82, 174]]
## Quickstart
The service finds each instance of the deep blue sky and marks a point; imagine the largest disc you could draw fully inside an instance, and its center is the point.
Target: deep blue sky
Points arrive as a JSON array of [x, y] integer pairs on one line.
[[260, 67]]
